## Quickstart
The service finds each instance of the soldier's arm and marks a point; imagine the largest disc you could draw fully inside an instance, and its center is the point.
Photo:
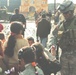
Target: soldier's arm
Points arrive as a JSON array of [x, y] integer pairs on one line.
[[58, 29]]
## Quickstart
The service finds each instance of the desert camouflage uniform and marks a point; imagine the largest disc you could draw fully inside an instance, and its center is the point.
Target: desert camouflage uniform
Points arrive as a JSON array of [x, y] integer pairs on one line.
[[68, 57]]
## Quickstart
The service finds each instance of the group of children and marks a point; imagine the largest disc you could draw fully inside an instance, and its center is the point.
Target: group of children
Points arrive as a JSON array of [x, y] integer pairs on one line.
[[21, 53]]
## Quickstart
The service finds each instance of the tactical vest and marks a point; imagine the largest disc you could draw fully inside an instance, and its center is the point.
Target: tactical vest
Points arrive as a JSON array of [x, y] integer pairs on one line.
[[68, 40]]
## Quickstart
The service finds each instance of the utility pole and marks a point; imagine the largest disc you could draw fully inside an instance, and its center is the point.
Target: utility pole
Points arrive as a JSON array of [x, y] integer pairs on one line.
[[7, 2], [54, 6]]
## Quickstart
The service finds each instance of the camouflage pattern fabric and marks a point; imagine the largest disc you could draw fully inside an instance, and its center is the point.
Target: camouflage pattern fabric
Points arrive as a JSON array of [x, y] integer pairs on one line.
[[68, 46], [68, 41], [68, 61]]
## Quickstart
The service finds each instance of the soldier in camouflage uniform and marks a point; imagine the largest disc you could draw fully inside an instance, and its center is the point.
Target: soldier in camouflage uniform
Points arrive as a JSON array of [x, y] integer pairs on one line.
[[67, 41]]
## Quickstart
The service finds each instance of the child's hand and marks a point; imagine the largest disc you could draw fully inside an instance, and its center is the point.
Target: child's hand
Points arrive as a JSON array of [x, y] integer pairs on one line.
[[53, 50]]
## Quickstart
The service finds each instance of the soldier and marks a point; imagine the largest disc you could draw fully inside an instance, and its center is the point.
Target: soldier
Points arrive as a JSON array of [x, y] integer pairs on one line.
[[67, 41]]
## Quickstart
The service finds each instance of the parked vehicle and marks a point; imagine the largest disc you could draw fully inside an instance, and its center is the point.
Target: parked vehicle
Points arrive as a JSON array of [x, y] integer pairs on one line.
[[4, 15]]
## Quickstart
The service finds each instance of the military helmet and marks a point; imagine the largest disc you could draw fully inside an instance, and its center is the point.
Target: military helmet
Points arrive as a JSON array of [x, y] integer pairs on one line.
[[67, 6]]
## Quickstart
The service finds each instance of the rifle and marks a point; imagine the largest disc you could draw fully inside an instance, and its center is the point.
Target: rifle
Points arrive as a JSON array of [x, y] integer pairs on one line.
[[57, 54]]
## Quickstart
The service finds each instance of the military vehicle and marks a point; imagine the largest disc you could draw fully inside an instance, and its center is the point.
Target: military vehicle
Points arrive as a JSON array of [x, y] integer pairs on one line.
[[4, 15]]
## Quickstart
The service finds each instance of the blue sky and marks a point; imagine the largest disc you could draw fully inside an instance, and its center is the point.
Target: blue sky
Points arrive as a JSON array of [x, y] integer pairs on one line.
[[59, 1]]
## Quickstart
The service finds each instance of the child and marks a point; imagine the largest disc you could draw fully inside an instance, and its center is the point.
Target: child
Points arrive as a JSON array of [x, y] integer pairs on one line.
[[2, 37], [1, 48], [30, 40], [1, 27], [27, 57]]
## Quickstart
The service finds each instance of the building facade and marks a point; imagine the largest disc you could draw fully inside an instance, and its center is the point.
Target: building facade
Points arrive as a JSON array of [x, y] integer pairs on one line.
[[33, 5], [13, 4], [3, 3], [10, 4]]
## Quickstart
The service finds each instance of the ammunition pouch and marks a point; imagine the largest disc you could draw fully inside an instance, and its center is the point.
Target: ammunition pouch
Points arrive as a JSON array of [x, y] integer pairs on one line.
[[68, 40]]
